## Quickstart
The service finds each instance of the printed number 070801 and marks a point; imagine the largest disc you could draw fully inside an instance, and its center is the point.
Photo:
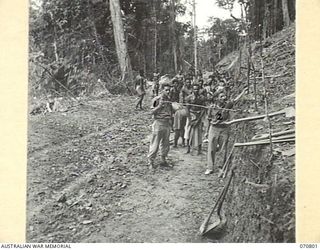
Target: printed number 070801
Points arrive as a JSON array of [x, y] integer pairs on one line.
[[308, 245]]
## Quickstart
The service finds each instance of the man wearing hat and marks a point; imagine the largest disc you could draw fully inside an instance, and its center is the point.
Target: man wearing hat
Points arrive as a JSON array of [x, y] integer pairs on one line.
[[162, 113]]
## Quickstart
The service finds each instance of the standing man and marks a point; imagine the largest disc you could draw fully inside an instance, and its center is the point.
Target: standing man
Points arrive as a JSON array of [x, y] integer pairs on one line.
[[219, 131], [180, 113], [193, 131], [175, 91], [162, 113], [202, 90], [140, 85], [155, 84], [186, 90]]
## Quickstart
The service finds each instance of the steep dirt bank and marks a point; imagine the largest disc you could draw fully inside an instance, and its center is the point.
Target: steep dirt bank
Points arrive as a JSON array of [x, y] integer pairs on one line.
[[266, 212]]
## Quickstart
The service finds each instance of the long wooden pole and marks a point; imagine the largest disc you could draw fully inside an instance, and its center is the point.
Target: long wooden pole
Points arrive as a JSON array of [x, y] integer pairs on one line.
[[266, 102], [263, 142]]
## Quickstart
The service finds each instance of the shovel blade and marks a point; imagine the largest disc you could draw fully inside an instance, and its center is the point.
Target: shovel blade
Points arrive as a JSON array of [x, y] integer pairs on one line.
[[217, 227], [290, 112], [206, 227], [211, 227], [203, 227]]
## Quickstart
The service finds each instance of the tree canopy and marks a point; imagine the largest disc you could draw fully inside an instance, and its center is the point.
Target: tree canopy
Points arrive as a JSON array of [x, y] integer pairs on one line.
[[78, 38]]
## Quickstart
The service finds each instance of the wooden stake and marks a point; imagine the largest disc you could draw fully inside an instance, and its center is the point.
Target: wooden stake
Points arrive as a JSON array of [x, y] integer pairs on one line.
[[266, 103], [254, 83]]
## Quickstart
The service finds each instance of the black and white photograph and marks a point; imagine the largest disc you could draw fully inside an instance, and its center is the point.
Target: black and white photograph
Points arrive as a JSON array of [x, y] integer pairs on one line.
[[161, 121]]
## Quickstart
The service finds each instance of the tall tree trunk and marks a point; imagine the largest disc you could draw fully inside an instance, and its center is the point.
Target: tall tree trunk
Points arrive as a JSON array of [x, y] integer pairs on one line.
[[155, 36], [173, 35], [285, 12], [195, 38], [119, 37], [54, 44], [275, 16], [265, 21]]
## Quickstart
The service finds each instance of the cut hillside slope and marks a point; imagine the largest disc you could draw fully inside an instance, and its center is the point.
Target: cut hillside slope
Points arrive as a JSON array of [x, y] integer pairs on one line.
[[261, 203]]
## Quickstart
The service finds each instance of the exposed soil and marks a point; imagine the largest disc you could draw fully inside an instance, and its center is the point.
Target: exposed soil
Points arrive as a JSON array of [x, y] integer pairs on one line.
[[88, 179]]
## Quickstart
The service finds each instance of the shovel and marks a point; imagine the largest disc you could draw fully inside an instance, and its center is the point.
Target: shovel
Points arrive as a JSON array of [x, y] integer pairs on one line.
[[224, 170], [205, 228]]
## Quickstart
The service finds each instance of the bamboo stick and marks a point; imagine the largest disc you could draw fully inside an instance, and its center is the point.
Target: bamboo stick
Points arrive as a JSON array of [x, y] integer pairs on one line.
[[263, 142], [252, 118], [266, 136]]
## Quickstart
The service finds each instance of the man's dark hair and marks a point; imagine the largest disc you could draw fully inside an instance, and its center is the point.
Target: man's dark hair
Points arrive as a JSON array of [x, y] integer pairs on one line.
[[166, 85], [141, 72], [175, 81]]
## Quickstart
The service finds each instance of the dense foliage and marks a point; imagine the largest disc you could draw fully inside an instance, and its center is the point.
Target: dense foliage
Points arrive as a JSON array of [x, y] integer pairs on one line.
[[74, 43]]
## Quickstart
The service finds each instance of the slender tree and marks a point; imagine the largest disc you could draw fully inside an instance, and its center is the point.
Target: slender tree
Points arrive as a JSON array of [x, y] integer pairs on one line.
[[120, 42], [173, 35]]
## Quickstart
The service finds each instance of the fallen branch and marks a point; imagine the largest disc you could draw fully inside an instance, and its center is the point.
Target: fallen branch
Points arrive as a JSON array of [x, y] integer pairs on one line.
[[62, 85], [267, 220], [273, 76], [255, 164]]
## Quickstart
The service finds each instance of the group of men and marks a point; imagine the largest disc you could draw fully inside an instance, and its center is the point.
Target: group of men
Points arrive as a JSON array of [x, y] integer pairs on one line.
[[194, 109]]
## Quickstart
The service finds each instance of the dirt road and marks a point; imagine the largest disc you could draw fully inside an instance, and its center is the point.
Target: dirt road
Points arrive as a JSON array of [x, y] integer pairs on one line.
[[88, 179]]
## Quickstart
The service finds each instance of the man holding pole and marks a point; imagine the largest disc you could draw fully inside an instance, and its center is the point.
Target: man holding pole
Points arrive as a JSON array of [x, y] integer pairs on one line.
[[219, 131], [162, 113]]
